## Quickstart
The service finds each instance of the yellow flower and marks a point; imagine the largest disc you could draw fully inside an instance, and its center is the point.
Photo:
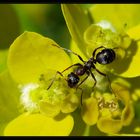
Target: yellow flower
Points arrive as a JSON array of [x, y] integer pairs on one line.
[[109, 111], [30, 57], [34, 60]]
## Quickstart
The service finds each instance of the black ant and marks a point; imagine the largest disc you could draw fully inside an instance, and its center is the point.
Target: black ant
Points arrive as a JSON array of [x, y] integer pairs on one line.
[[103, 57]]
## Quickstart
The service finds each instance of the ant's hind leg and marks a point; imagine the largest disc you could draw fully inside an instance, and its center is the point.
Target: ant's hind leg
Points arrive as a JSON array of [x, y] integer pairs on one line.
[[81, 88], [81, 97], [94, 80], [83, 79], [107, 79]]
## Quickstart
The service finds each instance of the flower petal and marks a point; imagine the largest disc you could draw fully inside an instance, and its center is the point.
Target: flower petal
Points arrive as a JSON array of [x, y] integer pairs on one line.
[[92, 34], [39, 125], [109, 125], [77, 22], [117, 14], [134, 32], [121, 92], [48, 109], [70, 103], [90, 111], [31, 54], [127, 114], [133, 69]]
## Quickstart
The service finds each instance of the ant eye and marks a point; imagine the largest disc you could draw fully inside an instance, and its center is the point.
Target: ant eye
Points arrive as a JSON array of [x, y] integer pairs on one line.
[[106, 56]]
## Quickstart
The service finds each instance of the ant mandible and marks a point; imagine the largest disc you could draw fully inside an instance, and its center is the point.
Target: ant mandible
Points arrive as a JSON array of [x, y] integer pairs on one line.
[[105, 56]]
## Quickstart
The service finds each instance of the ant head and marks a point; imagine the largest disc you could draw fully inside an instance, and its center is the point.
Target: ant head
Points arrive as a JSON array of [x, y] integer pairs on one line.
[[105, 56]]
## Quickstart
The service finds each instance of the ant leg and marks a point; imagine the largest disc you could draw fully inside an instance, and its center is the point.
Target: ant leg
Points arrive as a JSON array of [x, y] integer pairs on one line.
[[60, 73], [93, 54], [81, 97], [77, 64], [106, 77], [94, 79], [69, 51], [83, 79]]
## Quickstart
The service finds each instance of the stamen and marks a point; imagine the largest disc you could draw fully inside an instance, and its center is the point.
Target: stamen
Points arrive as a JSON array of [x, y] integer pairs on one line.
[[111, 105], [25, 98], [106, 25]]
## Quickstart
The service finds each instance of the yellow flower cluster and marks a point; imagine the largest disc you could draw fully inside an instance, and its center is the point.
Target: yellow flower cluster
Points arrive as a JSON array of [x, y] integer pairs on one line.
[[33, 62]]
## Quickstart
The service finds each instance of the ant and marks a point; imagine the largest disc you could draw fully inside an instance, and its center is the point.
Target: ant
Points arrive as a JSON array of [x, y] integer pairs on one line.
[[105, 56]]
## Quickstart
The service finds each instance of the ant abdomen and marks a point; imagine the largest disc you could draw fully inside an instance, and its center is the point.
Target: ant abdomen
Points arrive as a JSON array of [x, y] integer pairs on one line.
[[106, 56]]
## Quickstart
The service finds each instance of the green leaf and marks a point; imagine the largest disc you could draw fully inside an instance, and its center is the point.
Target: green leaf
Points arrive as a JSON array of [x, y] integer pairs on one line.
[[137, 109], [78, 122], [132, 129], [32, 54], [117, 14], [9, 100], [77, 22]]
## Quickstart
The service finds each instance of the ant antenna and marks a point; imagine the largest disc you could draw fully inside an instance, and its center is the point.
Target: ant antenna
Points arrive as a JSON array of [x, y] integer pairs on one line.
[[117, 48], [69, 51]]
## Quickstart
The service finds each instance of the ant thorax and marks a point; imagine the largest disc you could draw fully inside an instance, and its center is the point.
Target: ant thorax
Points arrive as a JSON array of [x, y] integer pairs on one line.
[[79, 71], [89, 64]]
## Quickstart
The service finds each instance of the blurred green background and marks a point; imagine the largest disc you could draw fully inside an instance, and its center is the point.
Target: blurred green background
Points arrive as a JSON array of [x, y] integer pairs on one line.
[[46, 19]]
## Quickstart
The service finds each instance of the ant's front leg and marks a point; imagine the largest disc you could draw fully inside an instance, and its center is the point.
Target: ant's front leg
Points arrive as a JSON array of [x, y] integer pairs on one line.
[[69, 51], [94, 79], [60, 73], [77, 64], [81, 88], [81, 97]]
